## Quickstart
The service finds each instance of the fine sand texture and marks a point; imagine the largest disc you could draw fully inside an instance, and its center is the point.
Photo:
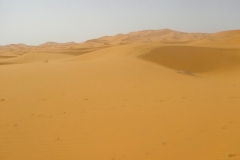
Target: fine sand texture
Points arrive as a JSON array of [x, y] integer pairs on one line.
[[148, 95]]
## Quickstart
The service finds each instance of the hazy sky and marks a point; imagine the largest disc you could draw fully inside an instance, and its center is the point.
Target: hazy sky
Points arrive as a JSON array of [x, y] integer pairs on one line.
[[37, 21]]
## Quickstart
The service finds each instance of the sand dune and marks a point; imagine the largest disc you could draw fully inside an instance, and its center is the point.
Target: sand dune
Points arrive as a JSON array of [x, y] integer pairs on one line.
[[222, 39], [194, 59], [144, 95], [164, 36]]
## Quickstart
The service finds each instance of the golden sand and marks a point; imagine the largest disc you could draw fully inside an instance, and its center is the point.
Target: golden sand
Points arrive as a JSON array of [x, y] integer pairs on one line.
[[149, 95]]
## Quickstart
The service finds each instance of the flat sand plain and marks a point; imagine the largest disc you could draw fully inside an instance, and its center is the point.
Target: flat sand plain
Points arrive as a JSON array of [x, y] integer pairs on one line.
[[148, 95]]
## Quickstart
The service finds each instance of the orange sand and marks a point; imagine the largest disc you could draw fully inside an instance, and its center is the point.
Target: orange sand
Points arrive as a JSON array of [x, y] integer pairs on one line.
[[149, 95]]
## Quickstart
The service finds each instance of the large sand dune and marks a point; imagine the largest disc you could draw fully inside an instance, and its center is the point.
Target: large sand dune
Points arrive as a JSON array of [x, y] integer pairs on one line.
[[145, 95]]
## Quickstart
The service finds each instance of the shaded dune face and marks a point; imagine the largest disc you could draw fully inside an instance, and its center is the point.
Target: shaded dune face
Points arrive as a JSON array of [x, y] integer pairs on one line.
[[194, 59]]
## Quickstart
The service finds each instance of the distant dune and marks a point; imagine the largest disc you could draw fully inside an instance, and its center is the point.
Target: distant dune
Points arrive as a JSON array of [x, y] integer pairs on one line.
[[147, 95]]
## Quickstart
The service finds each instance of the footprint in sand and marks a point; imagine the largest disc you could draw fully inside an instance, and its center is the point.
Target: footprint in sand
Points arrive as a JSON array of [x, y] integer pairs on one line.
[[148, 154], [40, 115], [115, 159], [2, 100], [232, 122], [224, 127], [185, 72], [231, 155], [57, 139], [164, 143]]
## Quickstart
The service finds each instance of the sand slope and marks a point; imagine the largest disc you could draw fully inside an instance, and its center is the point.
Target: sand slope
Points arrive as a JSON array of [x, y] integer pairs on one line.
[[145, 95], [194, 59], [222, 39]]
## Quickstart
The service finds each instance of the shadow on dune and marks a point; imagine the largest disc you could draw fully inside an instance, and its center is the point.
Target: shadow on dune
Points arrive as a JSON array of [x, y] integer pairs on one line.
[[5, 63], [194, 59]]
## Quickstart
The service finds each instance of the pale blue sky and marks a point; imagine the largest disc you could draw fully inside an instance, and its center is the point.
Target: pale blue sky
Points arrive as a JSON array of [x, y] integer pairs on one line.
[[37, 21]]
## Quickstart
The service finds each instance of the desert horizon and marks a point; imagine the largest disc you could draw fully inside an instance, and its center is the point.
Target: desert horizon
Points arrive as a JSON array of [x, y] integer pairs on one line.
[[146, 95]]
